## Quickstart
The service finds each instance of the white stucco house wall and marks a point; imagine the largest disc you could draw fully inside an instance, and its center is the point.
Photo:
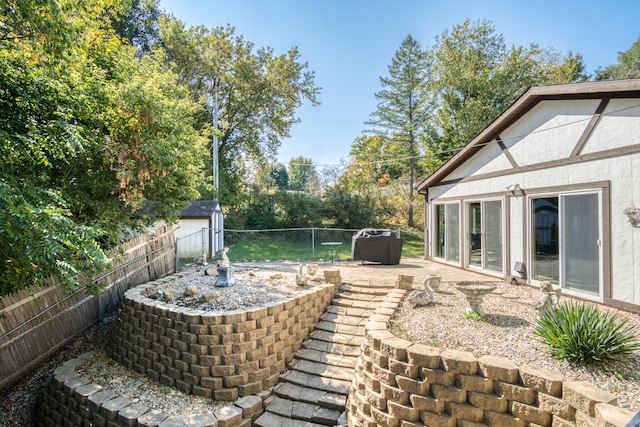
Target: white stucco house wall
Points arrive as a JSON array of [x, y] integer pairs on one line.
[[541, 194]]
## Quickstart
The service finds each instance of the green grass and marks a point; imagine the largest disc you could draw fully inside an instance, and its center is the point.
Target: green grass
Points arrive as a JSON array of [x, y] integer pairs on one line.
[[282, 246]]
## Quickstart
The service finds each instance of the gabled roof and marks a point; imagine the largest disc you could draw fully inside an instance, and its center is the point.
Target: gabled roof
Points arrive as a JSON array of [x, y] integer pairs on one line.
[[201, 209], [588, 90]]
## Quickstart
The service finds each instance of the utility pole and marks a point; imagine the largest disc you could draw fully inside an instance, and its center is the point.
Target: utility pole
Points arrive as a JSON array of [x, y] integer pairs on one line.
[[212, 101]]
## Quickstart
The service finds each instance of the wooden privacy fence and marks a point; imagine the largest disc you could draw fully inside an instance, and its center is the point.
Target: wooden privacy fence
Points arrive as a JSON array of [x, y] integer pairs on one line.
[[35, 323]]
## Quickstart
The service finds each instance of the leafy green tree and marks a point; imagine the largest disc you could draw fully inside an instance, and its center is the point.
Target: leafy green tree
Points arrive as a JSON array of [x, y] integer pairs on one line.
[[138, 22], [475, 77], [628, 66], [96, 142], [257, 93], [303, 176], [404, 109]]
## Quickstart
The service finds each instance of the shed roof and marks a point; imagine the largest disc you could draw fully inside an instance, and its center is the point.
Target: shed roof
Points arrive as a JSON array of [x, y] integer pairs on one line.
[[629, 88], [201, 209]]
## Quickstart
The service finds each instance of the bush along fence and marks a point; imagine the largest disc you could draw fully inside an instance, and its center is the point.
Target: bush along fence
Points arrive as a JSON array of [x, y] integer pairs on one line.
[[398, 382], [294, 244], [36, 323]]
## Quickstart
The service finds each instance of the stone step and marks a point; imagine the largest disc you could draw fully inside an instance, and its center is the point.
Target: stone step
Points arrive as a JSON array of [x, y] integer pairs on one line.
[[328, 358], [367, 287], [349, 311], [322, 369], [356, 296], [343, 319], [333, 348], [303, 394], [344, 302], [337, 338], [331, 385], [303, 411], [339, 328], [268, 419]]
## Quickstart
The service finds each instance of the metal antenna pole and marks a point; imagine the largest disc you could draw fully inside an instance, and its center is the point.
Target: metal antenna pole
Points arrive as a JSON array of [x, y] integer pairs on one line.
[[215, 144]]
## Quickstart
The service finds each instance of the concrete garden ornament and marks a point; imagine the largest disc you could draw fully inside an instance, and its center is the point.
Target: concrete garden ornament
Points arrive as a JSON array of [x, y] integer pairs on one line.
[[550, 297], [474, 292], [420, 298], [225, 276], [633, 213]]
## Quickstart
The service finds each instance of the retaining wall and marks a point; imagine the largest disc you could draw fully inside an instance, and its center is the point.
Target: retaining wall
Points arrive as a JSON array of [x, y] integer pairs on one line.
[[70, 399], [231, 356], [400, 383]]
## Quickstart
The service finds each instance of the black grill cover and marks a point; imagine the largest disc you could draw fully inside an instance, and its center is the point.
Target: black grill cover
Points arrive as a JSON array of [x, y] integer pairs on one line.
[[373, 245]]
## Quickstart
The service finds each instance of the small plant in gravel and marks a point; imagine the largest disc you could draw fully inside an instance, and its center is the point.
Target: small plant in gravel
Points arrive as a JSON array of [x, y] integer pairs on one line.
[[473, 315], [580, 333]]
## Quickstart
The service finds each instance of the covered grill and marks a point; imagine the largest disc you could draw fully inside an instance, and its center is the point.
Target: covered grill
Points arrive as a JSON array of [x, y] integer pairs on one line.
[[383, 246]]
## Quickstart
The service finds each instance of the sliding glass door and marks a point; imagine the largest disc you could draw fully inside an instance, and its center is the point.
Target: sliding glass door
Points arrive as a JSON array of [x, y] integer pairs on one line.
[[485, 235], [566, 244]]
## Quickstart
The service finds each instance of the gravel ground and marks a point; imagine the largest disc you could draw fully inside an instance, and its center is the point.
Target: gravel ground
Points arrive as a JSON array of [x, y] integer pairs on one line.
[[507, 331]]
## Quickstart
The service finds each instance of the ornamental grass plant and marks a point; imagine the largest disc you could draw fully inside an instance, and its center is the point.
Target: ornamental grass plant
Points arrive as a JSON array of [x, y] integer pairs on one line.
[[580, 333]]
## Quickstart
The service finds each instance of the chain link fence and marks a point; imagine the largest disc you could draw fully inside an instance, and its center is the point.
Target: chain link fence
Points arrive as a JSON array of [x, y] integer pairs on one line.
[[290, 244]]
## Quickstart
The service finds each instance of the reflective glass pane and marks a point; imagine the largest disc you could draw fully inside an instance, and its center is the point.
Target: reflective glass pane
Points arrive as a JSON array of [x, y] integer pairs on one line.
[[544, 239], [453, 232], [580, 234], [492, 212]]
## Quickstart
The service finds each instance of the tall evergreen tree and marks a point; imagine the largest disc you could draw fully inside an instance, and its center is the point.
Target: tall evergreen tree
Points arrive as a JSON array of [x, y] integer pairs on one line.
[[403, 109]]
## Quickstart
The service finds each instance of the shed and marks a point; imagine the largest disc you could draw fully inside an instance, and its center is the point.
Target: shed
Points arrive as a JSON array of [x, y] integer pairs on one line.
[[202, 216]]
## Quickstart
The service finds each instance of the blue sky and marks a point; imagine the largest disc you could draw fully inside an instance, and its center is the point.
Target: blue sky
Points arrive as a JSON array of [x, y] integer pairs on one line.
[[350, 43]]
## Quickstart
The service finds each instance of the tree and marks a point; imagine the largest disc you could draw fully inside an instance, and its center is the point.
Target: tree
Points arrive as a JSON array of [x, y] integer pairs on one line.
[[403, 107], [96, 143], [628, 66], [475, 77], [257, 93], [138, 23], [303, 176]]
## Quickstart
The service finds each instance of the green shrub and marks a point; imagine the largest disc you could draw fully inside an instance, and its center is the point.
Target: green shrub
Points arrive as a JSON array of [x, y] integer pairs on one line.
[[580, 333]]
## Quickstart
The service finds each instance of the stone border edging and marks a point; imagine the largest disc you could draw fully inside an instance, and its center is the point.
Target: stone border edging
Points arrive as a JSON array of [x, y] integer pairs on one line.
[[69, 397], [398, 381]]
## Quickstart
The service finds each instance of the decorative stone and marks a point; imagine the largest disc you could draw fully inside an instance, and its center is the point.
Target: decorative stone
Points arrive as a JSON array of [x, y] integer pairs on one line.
[[276, 276], [168, 294], [211, 271], [190, 291], [301, 277], [312, 269]]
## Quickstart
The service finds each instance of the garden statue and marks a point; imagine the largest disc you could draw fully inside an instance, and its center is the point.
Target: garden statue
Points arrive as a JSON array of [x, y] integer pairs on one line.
[[224, 262], [432, 281], [550, 297], [420, 298], [301, 277], [312, 269], [225, 278]]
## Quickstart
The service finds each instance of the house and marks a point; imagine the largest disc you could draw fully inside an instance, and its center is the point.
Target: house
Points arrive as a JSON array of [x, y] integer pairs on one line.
[[200, 229], [547, 192]]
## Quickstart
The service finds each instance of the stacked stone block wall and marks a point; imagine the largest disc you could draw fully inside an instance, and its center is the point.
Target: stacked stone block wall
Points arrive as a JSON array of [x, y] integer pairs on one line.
[[400, 383], [232, 356], [221, 355], [71, 400]]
